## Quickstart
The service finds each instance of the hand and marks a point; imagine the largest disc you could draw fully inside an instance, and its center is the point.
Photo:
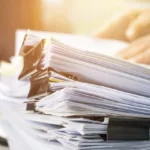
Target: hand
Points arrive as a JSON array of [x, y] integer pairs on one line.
[[127, 26], [138, 51]]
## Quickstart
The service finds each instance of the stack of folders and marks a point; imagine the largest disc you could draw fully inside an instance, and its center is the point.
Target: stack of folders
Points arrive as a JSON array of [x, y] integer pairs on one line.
[[84, 100]]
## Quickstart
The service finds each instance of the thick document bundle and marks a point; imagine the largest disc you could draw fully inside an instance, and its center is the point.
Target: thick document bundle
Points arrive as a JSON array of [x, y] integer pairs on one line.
[[49, 132], [101, 69], [109, 128], [89, 67], [78, 98]]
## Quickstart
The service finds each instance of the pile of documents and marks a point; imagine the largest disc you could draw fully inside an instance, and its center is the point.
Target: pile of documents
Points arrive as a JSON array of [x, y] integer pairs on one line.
[[80, 99], [37, 131], [87, 66]]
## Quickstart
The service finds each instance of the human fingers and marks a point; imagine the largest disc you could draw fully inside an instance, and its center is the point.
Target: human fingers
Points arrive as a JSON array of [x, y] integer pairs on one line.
[[140, 26], [135, 48], [117, 26], [143, 58]]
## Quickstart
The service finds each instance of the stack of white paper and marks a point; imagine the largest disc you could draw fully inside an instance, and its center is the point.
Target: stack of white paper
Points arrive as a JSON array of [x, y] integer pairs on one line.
[[70, 132], [32, 38], [84, 59], [99, 69], [92, 100], [38, 48], [46, 132], [75, 115]]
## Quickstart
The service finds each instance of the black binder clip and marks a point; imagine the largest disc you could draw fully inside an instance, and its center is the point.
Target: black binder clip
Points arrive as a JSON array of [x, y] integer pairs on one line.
[[31, 59], [128, 129], [41, 82]]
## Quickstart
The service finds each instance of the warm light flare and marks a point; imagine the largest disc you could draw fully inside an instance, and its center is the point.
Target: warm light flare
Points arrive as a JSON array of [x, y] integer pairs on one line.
[[53, 1]]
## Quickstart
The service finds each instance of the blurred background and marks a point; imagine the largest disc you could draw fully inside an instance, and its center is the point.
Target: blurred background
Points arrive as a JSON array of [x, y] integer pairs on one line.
[[65, 16]]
